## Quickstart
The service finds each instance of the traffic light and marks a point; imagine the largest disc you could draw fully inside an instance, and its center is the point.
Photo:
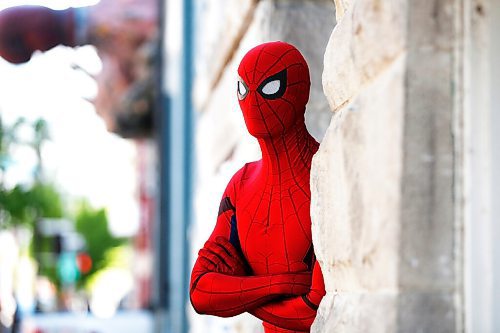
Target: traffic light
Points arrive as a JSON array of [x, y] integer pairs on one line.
[[67, 268], [84, 262]]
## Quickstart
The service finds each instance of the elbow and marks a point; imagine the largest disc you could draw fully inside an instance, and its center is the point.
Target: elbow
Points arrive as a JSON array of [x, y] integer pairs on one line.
[[199, 304], [202, 302]]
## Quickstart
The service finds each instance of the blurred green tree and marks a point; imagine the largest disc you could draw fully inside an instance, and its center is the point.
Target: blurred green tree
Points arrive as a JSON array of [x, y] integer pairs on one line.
[[92, 224], [8, 138], [24, 204]]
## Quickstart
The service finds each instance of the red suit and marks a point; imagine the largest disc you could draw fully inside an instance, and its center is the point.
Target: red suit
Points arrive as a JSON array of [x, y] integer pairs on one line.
[[259, 258]]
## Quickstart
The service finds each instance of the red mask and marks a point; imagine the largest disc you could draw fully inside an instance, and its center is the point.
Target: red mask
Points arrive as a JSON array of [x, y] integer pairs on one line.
[[273, 89]]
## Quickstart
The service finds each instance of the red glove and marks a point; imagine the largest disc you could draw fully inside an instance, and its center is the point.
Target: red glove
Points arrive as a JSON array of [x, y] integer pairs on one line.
[[26, 29], [221, 257]]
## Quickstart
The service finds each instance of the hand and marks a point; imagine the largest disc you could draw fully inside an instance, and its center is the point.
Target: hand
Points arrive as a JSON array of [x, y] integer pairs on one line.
[[221, 257], [296, 284]]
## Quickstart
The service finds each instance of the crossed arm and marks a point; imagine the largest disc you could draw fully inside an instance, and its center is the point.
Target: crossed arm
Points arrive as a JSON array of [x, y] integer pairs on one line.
[[218, 288], [295, 313], [221, 284]]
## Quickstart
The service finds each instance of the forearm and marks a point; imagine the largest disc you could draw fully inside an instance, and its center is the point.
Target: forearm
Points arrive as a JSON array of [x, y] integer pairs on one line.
[[225, 296], [295, 313]]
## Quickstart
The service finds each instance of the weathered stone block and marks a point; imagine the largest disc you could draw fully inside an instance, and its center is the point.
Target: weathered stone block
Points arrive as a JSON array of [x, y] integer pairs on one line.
[[390, 71], [356, 178], [369, 37], [374, 312], [387, 312], [426, 312], [341, 7], [427, 253]]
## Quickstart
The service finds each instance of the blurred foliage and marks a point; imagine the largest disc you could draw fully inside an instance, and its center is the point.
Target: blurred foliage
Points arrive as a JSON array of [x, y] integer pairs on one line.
[[24, 205], [92, 224], [8, 137], [116, 258]]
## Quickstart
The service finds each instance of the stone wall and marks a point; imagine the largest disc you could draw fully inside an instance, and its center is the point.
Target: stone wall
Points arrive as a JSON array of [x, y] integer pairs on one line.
[[226, 30], [385, 207]]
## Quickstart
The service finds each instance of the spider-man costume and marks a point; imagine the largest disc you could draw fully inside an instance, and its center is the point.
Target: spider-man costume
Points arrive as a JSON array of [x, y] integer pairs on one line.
[[259, 258]]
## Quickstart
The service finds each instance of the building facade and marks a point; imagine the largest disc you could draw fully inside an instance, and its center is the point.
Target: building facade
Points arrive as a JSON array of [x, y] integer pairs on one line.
[[405, 184]]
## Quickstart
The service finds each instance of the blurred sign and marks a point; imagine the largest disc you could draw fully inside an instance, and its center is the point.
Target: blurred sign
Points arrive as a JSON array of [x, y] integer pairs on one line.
[[72, 241], [52, 227]]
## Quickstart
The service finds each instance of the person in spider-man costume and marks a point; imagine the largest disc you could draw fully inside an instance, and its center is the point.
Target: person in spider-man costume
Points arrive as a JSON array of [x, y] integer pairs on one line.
[[260, 258]]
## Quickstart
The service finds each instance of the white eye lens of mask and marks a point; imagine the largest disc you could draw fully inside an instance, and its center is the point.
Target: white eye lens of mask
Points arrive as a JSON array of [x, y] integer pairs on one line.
[[271, 87], [241, 89]]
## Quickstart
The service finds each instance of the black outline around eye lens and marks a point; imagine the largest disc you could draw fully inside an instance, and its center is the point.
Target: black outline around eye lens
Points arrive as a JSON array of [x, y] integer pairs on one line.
[[240, 96], [281, 76]]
